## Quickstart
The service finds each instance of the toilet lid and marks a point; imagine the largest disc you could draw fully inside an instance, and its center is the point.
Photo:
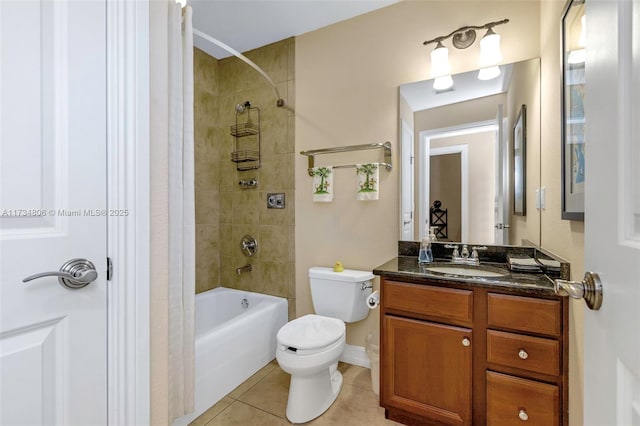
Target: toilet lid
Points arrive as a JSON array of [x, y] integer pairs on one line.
[[311, 332]]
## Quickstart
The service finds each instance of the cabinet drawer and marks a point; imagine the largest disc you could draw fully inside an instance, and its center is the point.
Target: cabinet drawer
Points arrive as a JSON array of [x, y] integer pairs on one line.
[[524, 314], [529, 353], [441, 302], [512, 400]]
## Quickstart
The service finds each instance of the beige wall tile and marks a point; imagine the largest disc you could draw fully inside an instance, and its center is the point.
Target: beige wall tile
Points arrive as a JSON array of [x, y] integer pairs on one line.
[[205, 67], [275, 243], [243, 211], [292, 309], [207, 207], [274, 278]]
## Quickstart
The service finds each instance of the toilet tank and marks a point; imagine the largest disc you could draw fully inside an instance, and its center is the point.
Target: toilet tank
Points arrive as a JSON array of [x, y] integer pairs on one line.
[[340, 294]]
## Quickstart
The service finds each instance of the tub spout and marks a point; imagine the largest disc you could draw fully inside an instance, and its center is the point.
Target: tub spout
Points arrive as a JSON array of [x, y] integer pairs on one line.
[[245, 268]]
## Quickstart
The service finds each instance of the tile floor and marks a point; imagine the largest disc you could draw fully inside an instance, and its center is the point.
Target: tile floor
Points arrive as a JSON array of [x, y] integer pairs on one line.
[[262, 401]]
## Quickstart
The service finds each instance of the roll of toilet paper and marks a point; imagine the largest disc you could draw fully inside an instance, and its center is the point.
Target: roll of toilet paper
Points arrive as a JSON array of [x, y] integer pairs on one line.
[[373, 300]]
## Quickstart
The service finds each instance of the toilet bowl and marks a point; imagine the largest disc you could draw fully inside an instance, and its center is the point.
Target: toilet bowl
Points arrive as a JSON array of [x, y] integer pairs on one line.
[[309, 347]]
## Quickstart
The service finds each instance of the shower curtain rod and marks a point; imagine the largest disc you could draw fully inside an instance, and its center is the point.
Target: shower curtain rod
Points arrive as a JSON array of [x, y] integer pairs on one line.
[[280, 101]]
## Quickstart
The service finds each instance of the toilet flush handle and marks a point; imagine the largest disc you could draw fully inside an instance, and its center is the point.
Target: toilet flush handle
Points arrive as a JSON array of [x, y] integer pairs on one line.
[[365, 285]]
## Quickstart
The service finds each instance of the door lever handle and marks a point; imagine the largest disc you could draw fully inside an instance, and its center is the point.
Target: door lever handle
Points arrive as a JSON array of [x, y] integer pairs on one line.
[[74, 274], [589, 289]]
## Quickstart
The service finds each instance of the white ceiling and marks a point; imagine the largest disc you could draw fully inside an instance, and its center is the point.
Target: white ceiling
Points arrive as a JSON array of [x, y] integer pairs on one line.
[[248, 24], [421, 95]]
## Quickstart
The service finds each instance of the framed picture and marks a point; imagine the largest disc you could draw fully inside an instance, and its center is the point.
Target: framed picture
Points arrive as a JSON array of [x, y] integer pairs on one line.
[[519, 163], [573, 118]]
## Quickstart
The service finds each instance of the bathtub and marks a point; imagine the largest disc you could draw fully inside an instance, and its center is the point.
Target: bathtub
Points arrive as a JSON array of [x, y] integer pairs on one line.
[[235, 336]]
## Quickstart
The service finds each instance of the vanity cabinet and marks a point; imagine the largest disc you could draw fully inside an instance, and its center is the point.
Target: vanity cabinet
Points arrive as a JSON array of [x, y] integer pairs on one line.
[[460, 354]]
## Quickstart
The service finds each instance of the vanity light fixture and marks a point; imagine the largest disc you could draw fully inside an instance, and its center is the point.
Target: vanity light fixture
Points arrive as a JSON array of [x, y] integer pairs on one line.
[[440, 68], [463, 37]]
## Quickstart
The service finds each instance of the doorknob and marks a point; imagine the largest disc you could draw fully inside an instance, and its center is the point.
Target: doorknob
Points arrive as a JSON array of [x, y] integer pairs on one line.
[[589, 289], [74, 274]]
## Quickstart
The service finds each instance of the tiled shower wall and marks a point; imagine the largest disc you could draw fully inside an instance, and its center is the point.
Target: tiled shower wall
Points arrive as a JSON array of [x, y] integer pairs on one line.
[[224, 211]]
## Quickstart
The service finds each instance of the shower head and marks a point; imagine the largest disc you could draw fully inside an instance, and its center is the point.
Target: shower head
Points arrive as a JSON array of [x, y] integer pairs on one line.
[[241, 107]]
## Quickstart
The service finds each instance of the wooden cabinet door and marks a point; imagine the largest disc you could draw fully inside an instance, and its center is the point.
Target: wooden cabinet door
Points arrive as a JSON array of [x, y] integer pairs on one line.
[[426, 370]]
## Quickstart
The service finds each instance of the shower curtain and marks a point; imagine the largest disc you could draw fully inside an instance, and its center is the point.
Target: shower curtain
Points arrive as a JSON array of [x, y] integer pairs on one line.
[[181, 213]]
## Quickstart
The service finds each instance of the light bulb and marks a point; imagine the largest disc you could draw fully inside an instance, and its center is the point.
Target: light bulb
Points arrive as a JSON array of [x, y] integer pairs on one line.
[[442, 83], [489, 73], [490, 53], [440, 61]]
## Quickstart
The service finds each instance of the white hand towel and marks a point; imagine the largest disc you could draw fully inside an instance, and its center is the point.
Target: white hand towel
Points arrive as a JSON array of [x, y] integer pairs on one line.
[[323, 184], [367, 177]]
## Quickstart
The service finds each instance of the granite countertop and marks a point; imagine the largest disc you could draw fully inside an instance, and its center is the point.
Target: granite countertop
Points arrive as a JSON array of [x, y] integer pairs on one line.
[[408, 268]]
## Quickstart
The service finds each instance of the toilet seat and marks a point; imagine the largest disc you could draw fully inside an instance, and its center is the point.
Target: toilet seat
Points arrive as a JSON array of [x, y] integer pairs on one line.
[[310, 334]]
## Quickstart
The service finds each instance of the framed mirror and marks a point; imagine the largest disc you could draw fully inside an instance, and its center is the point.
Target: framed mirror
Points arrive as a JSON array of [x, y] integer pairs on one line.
[[573, 118], [519, 163], [457, 157]]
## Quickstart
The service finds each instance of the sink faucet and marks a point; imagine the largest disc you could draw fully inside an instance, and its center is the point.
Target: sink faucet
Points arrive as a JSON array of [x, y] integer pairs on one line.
[[463, 257]]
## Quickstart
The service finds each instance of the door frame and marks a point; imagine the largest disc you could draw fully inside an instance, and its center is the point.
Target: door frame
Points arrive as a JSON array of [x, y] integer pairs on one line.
[[463, 150], [407, 131], [128, 184]]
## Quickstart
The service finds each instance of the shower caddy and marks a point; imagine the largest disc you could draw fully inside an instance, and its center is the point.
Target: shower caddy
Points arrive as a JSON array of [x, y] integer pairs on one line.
[[246, 132]]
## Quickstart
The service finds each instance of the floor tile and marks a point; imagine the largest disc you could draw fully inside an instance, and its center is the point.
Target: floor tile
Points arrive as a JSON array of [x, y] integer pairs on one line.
[[355, 406], [240, 414], [251, 381], [270, 394], [262, 401], [212, 412], [355, 375]]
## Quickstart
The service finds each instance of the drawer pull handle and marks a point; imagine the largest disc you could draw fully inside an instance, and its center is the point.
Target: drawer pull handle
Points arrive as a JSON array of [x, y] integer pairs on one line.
[[523, 354], [466, 342], [523, 415]]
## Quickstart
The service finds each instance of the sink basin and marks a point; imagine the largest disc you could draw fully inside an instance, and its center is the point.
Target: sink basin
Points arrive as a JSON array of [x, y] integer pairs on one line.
[[467, 270]]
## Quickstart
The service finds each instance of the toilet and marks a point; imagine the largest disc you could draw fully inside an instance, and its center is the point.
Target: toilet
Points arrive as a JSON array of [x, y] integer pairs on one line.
[[308, 347]]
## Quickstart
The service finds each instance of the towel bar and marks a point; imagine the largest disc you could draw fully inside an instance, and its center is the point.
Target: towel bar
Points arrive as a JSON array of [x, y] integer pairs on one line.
[[386, 146]]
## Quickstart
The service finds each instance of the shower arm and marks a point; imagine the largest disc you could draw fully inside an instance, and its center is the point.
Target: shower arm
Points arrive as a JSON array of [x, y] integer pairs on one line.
[[280, 101]]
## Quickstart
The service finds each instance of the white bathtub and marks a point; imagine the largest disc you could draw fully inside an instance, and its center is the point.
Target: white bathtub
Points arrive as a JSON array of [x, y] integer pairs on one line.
[[232, 341]]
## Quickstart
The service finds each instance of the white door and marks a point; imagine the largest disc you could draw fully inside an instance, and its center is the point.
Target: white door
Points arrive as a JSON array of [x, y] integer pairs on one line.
[[406, 151], [501, 207], [612, 213], [52, 204]]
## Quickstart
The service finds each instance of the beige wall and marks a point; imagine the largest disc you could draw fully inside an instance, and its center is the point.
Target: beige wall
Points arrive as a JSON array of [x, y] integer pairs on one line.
[[565, 238], [347, 78], [225, 212]]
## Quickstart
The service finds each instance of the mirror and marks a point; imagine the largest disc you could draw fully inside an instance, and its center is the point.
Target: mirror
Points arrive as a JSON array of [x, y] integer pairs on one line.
[[457, 157], [573, 118]]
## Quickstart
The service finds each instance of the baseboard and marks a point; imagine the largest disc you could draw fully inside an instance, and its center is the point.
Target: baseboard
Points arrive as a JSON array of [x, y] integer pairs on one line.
[[355, 355]]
